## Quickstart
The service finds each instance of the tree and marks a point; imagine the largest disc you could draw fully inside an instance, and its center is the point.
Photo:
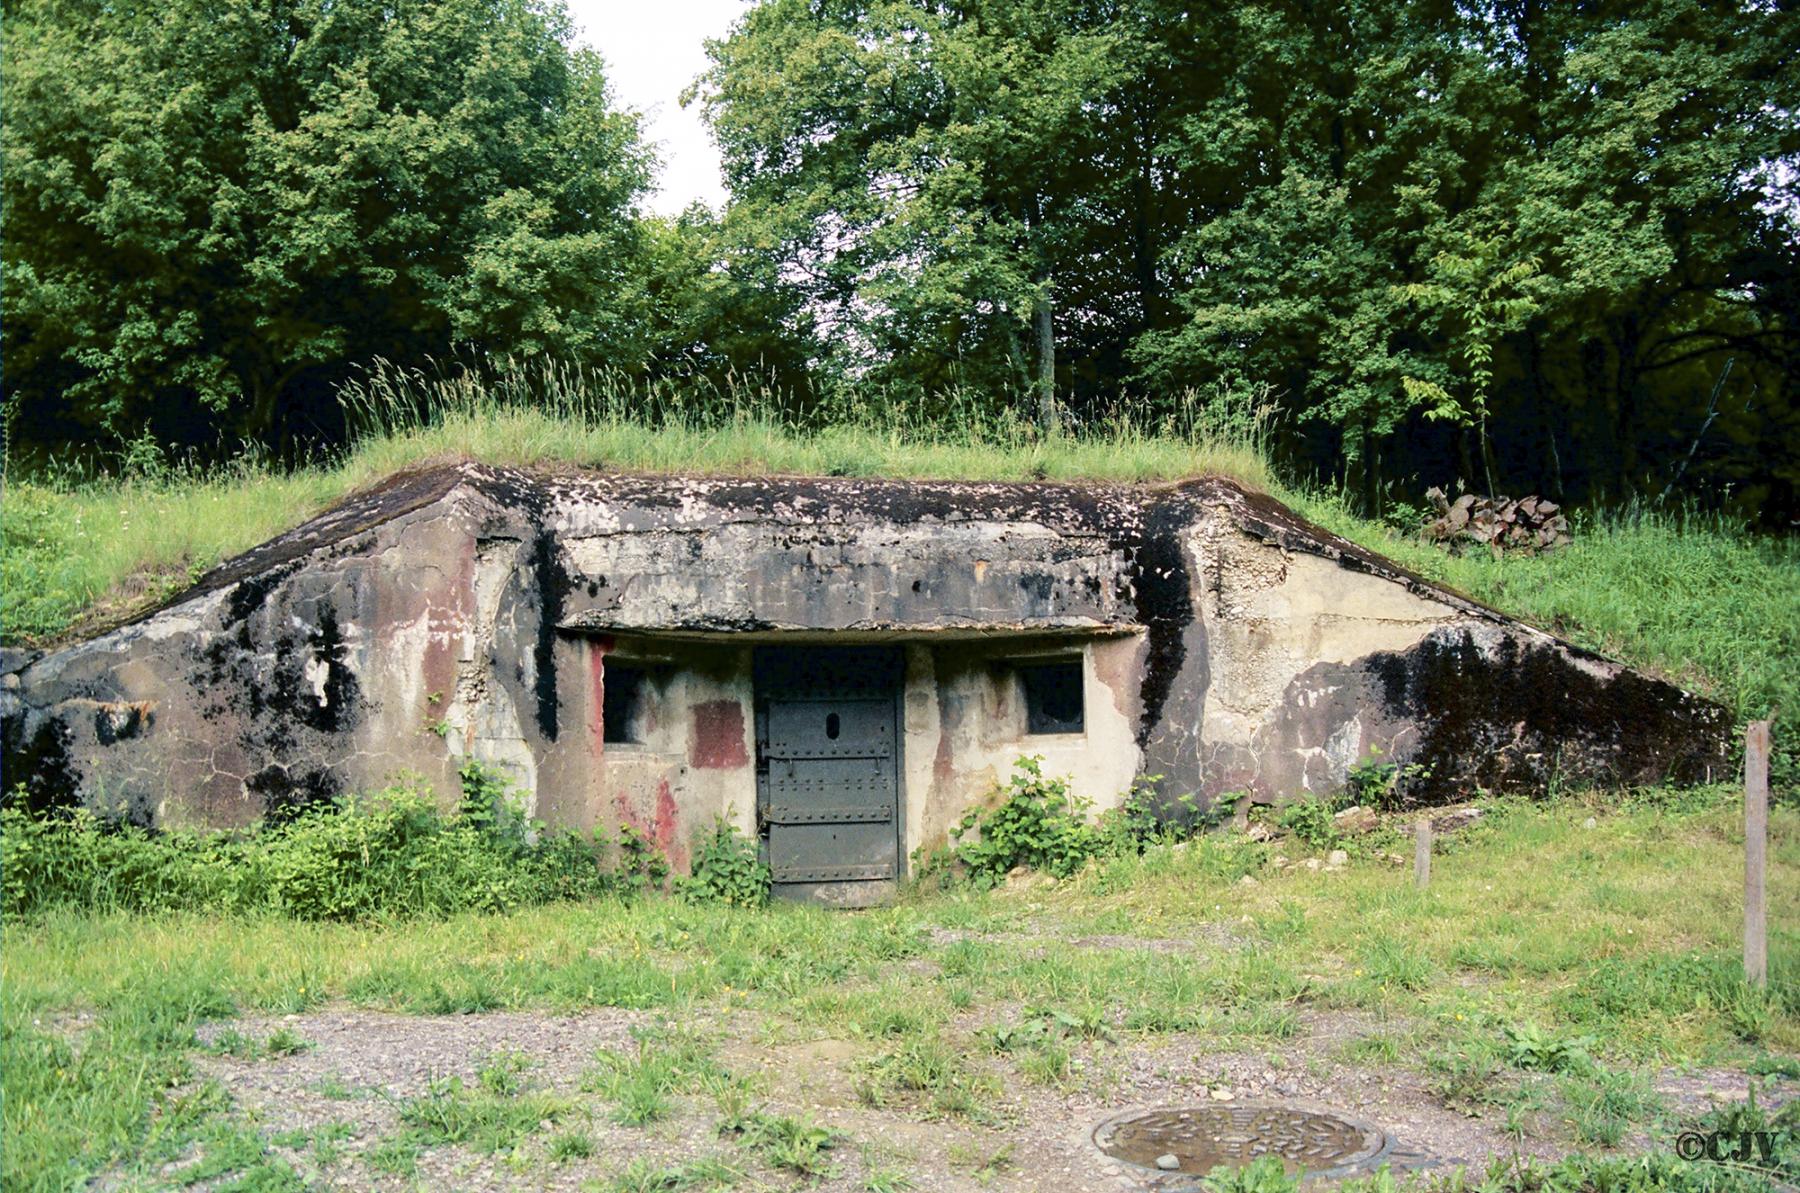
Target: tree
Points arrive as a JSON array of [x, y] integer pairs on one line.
[[915, 169], [1330, 199], [215, 208]]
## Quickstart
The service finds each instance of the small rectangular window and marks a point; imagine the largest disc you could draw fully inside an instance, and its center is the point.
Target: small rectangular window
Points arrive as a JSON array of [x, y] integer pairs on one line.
[[622, 692], [1053, 697]]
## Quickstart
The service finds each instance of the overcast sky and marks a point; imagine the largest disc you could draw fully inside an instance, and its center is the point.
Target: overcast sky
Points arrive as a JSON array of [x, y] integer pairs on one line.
[[653, 51]]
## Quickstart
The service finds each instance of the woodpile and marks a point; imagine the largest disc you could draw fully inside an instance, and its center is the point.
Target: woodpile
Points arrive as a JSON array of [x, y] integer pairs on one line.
[[1530, 524]]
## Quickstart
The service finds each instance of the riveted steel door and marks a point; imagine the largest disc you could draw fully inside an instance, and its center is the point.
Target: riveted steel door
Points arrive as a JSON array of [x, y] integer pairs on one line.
[[827, 721]]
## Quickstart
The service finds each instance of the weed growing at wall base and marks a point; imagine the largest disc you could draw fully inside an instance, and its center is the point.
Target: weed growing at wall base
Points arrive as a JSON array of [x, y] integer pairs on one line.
[[390, 855]]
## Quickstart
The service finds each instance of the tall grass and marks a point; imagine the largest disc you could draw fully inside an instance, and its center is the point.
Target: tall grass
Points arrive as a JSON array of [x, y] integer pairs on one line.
[[82, 549]]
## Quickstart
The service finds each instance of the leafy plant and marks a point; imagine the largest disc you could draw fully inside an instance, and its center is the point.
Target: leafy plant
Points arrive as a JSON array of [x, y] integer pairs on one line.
[[390, 855], [1265, 1174], [1310, 821], [451, 1112], [727, 870], [642, 866], [570, 1145], [1038, 824], [796, 1145], [1530, 1047], [1379, 784], [641, 1086]]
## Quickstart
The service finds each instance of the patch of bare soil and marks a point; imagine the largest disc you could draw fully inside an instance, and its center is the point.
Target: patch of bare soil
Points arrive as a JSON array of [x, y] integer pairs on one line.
[[359, 1067]]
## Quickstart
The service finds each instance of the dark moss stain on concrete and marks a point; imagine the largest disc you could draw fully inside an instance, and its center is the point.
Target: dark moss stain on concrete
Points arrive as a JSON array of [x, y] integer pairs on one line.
[[119, 722], [1513, 716], [252, 593], [553, 586], [286, 796], [1160, 588], [35, 766], [338, 709]]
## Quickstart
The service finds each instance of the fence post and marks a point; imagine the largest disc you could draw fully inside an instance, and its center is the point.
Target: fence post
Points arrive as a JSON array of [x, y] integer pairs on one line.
[[1422, 853], [1756, 853]]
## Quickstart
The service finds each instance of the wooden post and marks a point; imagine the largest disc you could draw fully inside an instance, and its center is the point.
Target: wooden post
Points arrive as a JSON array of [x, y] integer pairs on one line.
[[1422, 854], [1756, 853]]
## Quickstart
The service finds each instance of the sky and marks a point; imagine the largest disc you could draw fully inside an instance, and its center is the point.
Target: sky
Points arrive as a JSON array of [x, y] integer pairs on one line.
[[653, 50]]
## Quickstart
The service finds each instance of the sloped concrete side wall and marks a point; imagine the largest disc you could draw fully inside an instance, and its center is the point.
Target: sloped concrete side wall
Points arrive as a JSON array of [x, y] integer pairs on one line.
[[326, 671]]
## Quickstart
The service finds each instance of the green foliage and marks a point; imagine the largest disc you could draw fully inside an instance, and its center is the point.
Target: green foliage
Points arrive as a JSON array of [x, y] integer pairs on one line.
[[1752, 1115], [246, 204], [1625, 931], [1419, 223], [387, 856], [1582, 1172], [1604, 1104], [1310, 820], [667, 1062], [793, 1144], [1380, 785], [1265, 1174], [642, 866], [930, 1072], [1145, 818], [452, 1112], [1530, 1047], [726, 869], [1038, 824]]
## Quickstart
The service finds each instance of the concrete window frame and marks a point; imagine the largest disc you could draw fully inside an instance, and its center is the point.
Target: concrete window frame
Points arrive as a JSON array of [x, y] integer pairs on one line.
[[1044, 677]]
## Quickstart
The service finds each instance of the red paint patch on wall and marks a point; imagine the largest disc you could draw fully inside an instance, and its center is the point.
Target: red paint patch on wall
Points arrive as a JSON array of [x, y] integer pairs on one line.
[[665, 830], [661, 827], [718, 742]]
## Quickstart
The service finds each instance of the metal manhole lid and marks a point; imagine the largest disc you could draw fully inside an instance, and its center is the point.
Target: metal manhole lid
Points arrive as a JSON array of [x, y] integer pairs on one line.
[[1309, 1143]]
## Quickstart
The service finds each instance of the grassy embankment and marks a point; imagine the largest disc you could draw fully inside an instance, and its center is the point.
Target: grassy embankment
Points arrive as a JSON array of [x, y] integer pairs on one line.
[[1690, 597]]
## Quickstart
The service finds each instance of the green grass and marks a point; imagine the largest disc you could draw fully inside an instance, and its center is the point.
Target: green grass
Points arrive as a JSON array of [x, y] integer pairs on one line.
[[82, 550], [642, 1086], [1546, 957]]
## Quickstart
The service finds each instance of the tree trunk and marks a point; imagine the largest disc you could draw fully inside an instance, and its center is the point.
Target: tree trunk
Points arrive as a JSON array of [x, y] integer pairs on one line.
[[1048, 421], [1487, 457], [1371, 472]]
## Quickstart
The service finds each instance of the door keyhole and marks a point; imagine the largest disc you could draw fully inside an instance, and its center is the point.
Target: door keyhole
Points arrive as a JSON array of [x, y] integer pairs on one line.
[[831, 726]]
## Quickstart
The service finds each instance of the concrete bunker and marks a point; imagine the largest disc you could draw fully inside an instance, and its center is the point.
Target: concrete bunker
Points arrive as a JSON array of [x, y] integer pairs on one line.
[[841, 667]]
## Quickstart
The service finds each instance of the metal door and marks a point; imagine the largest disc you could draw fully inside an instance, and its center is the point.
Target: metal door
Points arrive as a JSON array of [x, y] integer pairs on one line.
[[827, 769]]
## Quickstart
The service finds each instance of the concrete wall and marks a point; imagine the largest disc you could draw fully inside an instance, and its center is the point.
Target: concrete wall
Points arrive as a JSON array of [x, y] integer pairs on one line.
[[965, 727]]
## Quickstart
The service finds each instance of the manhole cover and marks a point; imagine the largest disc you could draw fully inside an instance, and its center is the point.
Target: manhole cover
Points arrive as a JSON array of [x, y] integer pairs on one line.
[[1309, 1143]]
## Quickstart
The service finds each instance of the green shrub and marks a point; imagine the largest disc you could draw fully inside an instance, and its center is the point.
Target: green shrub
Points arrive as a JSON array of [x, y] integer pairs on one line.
[[389, 855], [727, 870], [1311, 821], [642, 866], [1145, 818], [1530, 1047], [1038, 824]]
